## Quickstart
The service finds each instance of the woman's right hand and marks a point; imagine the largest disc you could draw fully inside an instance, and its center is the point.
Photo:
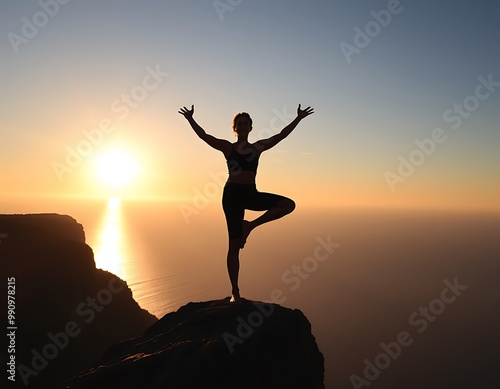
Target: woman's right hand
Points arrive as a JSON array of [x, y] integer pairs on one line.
[[187, 113]]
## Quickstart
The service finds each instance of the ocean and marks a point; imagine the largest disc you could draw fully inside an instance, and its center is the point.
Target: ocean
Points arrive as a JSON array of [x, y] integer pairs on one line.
[[395, 298]]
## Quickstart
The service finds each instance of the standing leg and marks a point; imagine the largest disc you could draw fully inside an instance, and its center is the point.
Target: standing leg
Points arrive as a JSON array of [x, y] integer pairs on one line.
[[234, 212], [233, 268]]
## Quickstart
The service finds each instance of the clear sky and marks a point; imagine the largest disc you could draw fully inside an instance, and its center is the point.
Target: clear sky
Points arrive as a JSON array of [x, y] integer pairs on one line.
[[81, 78]]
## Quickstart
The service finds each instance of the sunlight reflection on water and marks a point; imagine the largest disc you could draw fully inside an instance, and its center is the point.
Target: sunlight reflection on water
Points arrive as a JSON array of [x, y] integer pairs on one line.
[[109, 252]]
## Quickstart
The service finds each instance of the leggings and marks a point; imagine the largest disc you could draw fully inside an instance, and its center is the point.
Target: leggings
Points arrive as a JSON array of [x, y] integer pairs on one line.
[[238, 197]]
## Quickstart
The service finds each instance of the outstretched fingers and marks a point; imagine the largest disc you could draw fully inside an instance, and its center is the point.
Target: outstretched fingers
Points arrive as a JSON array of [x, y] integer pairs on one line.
[[302, 113], [187, 112]]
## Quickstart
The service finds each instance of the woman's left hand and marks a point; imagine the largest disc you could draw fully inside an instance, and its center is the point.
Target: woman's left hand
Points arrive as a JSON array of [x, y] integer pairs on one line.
[[302, 113]]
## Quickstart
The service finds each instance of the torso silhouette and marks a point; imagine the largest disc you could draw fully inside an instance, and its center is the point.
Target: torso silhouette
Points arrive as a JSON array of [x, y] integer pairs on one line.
[[242, 163]]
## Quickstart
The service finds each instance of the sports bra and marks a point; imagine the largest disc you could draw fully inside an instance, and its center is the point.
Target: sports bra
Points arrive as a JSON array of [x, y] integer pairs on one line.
[[242, 162]]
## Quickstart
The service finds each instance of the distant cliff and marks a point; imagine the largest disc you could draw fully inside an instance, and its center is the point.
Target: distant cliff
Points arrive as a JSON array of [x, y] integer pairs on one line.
[[67, 312], [215, 344]]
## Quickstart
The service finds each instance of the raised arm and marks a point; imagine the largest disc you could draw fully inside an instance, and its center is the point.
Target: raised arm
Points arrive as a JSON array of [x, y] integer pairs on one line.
[[266, 144], [219, 144]]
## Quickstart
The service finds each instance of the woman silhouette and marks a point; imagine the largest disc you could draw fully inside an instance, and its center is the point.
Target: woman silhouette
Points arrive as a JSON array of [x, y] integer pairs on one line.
[[240, 191]]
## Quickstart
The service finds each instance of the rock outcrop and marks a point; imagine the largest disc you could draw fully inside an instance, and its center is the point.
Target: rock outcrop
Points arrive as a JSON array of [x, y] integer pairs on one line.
[[67, 312], [215, 344]]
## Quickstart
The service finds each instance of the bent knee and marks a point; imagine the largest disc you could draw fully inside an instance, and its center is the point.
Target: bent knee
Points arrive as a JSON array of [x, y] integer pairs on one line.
[[287, 203]]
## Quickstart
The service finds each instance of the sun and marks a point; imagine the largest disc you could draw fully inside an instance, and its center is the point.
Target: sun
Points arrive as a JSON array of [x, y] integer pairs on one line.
[[116, 168]]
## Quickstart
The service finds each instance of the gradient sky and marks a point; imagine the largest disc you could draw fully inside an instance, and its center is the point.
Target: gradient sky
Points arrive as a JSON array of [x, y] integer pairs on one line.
[[65, 69]]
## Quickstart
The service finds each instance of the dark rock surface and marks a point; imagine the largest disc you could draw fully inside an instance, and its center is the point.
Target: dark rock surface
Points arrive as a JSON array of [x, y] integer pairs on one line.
[[67, 312], [215, 344]]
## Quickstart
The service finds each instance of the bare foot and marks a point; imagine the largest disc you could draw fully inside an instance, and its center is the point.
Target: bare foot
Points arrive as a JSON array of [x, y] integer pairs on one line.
[[247, 227], [235, 298]]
